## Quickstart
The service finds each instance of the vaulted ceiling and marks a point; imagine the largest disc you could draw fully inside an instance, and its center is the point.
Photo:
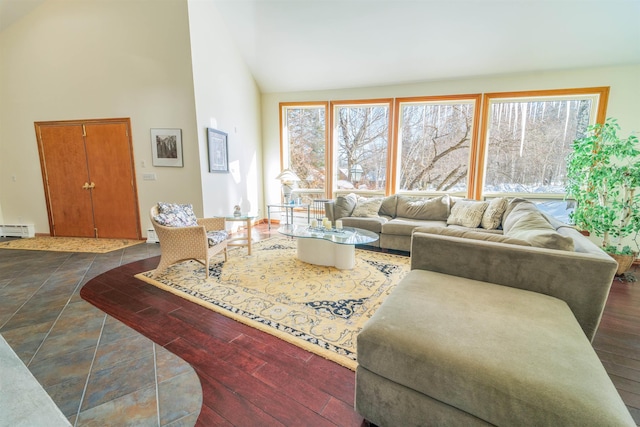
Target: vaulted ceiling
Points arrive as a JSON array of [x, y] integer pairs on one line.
[[297, 45]]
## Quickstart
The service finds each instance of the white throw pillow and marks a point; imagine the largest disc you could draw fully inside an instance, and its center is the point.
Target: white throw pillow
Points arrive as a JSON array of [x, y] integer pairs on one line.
[[467, 213], [367, 208], [492, 216]]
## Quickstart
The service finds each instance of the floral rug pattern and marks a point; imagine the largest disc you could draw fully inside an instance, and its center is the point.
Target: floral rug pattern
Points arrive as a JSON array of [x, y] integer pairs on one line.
[[320, 309], [69, 244]]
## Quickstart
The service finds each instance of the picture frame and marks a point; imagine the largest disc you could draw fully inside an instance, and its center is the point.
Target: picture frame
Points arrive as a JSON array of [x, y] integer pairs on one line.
[[218, 151], [166, 147]]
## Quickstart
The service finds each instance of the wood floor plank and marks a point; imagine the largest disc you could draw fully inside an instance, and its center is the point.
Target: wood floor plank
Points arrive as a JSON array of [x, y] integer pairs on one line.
[[281, 384]]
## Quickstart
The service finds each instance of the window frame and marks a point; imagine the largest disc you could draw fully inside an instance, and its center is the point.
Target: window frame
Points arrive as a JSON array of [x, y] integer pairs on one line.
[[285, 161], [333, 141], [476, 100], [602, 94]]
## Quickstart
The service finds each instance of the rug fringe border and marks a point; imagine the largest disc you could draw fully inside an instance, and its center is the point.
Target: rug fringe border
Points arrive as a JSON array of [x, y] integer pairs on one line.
[[334, 357]]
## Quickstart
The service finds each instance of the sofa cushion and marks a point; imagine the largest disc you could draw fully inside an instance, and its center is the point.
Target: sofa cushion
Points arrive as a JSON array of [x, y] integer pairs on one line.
[[471, 234], [389, 206], [467, 213], [506, 355], [344, 205], [176, 215], [405, 226], [371, 224], [517, 207], [492, 216], [534, 228], [367, 208], [216, 237], [435, 209]]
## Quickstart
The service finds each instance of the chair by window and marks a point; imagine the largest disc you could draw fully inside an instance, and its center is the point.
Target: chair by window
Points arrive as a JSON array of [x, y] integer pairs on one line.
[[183, 237]]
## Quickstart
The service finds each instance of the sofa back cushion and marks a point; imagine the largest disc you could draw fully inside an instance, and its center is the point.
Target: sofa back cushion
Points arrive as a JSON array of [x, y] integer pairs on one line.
[[534, 228], [389, 206], [344, 205], [435, 209]]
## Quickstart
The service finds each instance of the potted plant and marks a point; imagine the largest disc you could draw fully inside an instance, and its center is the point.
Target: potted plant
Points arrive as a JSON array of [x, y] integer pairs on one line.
[[603, 176]]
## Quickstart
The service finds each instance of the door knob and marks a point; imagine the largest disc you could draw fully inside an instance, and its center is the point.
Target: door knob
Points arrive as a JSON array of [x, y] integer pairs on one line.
[[86, 186]]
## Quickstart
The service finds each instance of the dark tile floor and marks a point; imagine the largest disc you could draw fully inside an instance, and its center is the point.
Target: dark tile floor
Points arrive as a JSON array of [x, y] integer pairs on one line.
[[97, 370]]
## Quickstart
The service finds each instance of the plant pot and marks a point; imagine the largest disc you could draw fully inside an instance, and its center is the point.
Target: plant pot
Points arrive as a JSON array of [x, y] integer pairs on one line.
[[624, 262]]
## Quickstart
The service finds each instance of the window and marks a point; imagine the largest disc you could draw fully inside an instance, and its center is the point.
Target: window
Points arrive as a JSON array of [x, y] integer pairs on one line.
[[529, 136], [304, 140], [435, 136], [361, 135], [517, 146]]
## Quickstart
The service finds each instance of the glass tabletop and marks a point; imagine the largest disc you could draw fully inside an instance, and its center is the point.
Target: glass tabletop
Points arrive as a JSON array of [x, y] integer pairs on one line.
[[344, 236], [241, 217]]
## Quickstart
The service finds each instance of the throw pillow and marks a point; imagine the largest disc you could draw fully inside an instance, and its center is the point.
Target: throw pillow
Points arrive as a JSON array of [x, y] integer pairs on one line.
[[435, 209], [367, 208], [492, 217], [467, 213], [344, 206], [176, 215], [215, 237], [536, 230]]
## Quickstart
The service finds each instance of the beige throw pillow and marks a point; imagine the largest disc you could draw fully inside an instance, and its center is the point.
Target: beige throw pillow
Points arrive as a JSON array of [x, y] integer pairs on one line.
[[367, 208], [492, 216], [467, 213]]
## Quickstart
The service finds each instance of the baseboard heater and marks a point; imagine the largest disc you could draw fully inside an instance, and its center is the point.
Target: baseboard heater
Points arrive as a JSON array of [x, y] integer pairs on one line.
[[17, 230]]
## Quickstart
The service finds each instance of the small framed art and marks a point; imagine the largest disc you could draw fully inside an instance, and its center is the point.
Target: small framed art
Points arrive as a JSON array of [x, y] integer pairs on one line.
[[218, 151], [166, 147]]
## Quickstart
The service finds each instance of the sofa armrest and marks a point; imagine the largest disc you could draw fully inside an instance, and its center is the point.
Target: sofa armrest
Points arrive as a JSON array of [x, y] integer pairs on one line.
[[581, 280]]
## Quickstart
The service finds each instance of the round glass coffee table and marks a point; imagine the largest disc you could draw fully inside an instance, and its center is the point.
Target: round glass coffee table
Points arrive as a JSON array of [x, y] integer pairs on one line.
[[329, 247]]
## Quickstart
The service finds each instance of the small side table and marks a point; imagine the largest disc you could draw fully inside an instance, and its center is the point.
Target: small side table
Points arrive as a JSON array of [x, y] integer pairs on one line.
[[288, 208], [241, 241]]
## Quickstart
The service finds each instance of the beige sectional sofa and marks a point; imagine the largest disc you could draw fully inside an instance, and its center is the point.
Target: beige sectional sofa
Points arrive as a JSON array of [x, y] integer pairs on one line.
[[394, 218], [483, 332]]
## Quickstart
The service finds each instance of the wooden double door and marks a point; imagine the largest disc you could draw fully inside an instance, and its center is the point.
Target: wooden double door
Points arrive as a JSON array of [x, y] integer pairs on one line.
[[89, 178]]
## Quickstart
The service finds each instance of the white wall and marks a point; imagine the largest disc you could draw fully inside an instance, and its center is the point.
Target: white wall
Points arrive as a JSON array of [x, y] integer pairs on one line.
[[227, 99], [623, 101], [77, 59]]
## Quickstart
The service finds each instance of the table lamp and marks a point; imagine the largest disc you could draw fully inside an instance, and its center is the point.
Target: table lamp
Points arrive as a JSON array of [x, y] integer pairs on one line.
[[288, 178]]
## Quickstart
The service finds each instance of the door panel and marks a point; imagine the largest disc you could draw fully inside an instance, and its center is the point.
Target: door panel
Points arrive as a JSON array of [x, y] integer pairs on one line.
[[111, 169], [65, 172]]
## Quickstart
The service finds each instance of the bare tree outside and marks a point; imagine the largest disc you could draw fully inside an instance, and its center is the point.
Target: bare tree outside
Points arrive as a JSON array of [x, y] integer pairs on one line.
[[307, 141], [529, 142], [435, 144], [362, 139]]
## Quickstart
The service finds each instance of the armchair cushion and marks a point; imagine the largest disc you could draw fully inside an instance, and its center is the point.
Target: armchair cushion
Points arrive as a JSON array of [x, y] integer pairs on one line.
[[176, 215], [215, 237]]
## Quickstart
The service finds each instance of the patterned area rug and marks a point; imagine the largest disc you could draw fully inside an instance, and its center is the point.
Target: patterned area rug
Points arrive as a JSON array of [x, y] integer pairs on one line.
[[69, 244], [320, 309]]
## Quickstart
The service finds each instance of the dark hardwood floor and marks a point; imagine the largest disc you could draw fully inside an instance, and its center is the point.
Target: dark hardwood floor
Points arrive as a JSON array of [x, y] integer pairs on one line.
[[251, 378]]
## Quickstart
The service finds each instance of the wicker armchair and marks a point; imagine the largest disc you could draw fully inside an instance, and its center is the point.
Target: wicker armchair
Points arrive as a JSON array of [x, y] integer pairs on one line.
[[183, 243]]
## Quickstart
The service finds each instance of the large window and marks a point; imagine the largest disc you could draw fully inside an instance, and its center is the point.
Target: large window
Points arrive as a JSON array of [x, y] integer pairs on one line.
[[304, 140], [434, 143], [515, 144], [529, 138], [361, 134]]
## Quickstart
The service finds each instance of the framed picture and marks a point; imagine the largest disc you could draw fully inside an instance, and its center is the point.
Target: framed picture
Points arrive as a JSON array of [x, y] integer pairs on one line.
[[218, 153], [166, 146]]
